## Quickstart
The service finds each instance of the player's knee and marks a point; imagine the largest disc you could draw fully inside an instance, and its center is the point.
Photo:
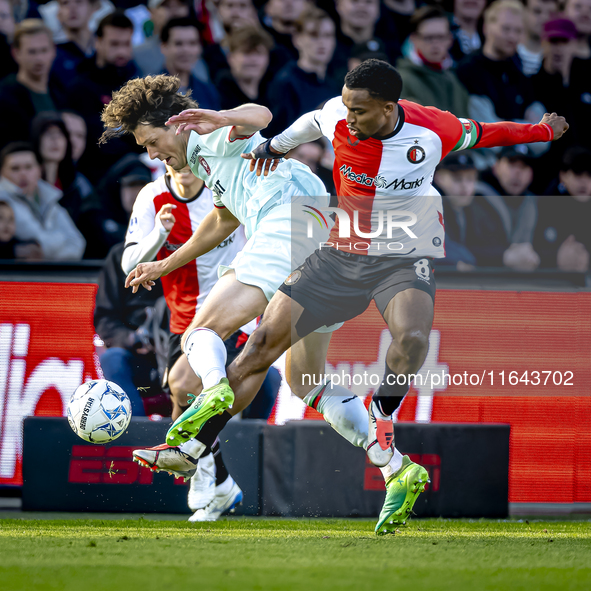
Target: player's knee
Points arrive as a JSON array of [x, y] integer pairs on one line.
[[260, 350], [413, 344]]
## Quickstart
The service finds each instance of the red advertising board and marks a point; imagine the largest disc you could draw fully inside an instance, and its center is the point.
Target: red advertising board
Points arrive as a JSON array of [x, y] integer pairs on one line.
[[491, 343], [46, 352]]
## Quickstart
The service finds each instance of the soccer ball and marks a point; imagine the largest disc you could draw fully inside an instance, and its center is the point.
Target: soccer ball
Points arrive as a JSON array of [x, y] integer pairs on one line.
[[99, 411]]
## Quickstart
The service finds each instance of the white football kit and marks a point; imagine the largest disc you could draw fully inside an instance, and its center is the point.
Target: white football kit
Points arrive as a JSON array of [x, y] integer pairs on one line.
[[275, 210]]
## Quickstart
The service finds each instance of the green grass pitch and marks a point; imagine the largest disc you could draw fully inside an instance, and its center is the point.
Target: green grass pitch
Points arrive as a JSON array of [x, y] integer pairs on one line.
[[308, 554]]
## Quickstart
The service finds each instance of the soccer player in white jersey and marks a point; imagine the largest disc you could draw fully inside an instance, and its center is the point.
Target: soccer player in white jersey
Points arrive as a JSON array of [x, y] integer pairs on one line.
[[275, 215], [165, 214], [390, 226]]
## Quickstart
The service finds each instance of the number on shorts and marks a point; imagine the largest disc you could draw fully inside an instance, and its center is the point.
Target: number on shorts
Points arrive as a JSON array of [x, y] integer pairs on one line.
[[422, 269]]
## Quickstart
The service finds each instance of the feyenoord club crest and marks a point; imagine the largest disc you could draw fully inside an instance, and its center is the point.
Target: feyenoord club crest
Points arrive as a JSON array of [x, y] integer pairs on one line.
[[293, 278], [416, 154]]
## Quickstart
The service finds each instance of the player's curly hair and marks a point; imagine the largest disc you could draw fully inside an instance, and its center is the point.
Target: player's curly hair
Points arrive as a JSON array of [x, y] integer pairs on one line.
[[379, 78], [151, 100]]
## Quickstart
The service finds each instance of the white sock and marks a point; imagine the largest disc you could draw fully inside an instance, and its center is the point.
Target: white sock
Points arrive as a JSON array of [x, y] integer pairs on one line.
[[342, 410], [207, 356], [192, 448], [393, 465], [225, 487]]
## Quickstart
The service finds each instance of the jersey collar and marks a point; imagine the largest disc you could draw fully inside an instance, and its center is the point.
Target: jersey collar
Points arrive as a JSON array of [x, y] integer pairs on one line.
[[177, 197], [398, 127]]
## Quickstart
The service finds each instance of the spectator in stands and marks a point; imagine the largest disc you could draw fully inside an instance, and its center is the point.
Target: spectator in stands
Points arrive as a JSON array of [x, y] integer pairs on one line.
[[7, 26], [372, 49], [498, 89], [117, 192], [467, 29], [394, 25], [280, 20], [246, 81], [537, 13], [303, 86], [39, 217], [74, 15], [505, 190], [28, 92], [579, 11], [77, 132], [358, 23], [51, 141], [181, 47], [147, 56], [98, 77], [236, 14], [562, 237], [426, 74], [552, 81], [121, 320], [456, 178], [49, 12], [10, 246]]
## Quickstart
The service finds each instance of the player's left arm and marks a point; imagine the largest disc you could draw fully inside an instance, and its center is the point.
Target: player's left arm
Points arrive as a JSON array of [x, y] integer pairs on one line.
[[244, 120], [507, 133]]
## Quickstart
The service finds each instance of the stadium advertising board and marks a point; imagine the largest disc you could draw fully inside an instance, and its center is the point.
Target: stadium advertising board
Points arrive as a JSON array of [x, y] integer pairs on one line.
[[520, 358]]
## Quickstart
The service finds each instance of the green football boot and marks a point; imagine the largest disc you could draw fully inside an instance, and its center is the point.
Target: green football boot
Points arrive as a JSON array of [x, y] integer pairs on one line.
[[211, 402], [402, 490]]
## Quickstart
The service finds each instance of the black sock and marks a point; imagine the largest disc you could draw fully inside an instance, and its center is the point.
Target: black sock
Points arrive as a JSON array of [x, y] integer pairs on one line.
[[221, 472], [212, 428], [390, 394]]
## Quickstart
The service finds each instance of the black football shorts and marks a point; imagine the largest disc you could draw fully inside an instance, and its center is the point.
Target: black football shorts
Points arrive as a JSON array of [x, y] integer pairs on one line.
[[334, 286]]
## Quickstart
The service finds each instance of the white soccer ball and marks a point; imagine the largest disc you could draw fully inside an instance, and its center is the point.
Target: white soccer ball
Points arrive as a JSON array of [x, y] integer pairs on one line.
[[99, 411]]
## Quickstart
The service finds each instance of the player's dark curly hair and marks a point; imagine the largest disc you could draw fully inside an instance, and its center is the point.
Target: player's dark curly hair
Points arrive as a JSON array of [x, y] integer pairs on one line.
[[379, 78], [151, 100]]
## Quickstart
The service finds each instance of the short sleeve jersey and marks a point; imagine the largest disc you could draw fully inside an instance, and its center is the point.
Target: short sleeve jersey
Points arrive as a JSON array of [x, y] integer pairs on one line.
[[215, 158], [186, 288], [385, 186]]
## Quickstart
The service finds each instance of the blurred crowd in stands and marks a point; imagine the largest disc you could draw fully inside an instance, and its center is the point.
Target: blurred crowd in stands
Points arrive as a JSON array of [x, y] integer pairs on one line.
[[64, 198]]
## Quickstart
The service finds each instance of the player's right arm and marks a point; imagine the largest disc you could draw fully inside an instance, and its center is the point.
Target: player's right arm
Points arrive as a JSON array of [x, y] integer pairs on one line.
[[216, 226]]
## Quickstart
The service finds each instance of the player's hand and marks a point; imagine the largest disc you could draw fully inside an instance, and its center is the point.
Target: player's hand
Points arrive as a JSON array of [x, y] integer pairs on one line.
[[200, 120], [264, 158], [165, 216], [145, 274], [557, 123], [572, 256]]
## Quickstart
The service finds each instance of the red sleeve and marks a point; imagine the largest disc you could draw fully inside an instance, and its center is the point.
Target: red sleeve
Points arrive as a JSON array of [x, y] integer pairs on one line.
[[507, 133], [447, 126]]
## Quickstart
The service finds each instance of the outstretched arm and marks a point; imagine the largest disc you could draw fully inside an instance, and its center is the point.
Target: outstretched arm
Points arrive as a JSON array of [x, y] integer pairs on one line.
[[507, 133], [216, 226], [303, 130], [245, 120]]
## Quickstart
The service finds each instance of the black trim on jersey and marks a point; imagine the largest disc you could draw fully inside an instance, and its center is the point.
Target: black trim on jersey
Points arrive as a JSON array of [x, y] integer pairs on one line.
[[478, 132], [130, 244], [176, 197], [398, 127]]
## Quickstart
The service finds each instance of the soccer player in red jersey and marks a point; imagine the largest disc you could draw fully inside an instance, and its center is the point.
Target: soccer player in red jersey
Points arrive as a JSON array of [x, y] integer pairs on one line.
[[389, 227]]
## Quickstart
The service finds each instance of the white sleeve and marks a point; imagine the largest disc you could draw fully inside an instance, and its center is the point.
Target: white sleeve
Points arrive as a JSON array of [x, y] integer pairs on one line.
[[303, 130], [311, 126], [144, 250], [145, 235]]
